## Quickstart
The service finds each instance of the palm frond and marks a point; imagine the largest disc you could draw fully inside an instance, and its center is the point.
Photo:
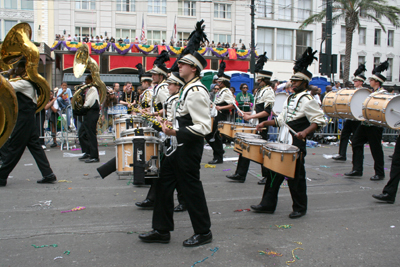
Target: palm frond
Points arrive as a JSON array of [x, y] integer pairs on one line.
[[318, 17]]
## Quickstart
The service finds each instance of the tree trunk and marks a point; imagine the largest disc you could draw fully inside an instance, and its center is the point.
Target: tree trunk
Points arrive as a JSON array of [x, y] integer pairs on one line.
[[350, 26]]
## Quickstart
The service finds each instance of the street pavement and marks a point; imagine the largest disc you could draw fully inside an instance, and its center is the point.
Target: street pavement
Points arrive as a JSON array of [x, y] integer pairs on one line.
[[344, 225]]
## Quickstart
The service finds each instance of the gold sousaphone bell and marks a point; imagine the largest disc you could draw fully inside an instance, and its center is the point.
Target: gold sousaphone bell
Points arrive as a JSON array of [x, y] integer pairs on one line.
[[83, 61], [17, 44]]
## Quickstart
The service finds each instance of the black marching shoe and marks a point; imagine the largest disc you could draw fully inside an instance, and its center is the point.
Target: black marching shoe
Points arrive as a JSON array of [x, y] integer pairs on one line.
[[216, 161], [3, 182], [155, 237], [384, 197], [49, 179], [353, 173], [263, 181], [92, 160], [180, 208], [296, 214], [261, 209], [145, 204], [236, 177], [84, 157], [341, 158], [377, 178], [198, 240]]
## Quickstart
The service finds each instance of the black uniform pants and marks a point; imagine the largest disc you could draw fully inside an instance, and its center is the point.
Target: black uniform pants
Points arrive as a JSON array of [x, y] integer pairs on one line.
[[216, 145], [40, 117], [373, 135], [297, 187], [393, 184], [24, 135], [183, 169], [349, 128], [87, 133]]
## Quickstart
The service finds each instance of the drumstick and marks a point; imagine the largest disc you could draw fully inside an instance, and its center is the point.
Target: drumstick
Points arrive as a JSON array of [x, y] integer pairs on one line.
[[395, 111], [250, 129], [290, 129]]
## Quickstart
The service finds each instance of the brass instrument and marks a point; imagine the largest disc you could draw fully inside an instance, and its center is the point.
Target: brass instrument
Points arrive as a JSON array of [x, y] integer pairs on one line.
[[17, 44], [82, 61]]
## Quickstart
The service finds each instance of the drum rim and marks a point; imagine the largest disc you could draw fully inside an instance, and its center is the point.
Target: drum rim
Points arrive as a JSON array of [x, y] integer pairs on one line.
[[281, 151], [148, 139], [255, 143], [145, 129], [247, 134]]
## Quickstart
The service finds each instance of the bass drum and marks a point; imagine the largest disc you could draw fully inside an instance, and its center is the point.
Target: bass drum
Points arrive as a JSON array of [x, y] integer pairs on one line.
[[280, 100], [349, 102], [328, 104], [383, 109]]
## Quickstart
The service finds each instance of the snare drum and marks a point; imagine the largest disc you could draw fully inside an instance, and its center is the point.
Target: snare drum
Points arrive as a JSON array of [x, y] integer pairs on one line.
[[239, 137], [225, 128], [348, 103], [239, 125], [120, 125], [252, 149], [383, 109], [124, 153], [280, 158], [147, 131]]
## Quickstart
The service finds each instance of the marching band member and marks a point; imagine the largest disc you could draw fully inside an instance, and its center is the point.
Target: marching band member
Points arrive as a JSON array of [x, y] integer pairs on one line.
[[303, 114], [87, 131], [264, 101], [224, 100], [145, 97], [159, 74], [350, 126], [24, 133], [371, 134], [182, 168]]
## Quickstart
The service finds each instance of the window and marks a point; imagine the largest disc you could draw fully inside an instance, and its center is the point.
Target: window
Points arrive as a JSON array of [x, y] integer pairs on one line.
[[304, 9], [123, 33], [377, 62], [222, 11], [223, 38], [85, 4], [265, 9], [377, 37], [378, 15], [363, 13], [155, 37], [27, 4], [343, 34], [285, 10], [265, 41], [303, 40], [362, 34], [8, 24], [389, 71], [126, 5], [10, 4], [390, 37], [32, 27], [341, 73], [157, 6], [361, 60], [85, 31], [284, 45], [186, 8], [182, 36]]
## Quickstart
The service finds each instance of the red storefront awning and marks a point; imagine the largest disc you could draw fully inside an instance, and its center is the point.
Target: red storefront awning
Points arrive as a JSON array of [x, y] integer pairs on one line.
[[68, 60], [124, 62]]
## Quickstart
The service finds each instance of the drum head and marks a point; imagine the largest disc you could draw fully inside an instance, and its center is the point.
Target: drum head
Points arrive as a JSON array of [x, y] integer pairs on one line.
[[357, 101], [242, 125], [392, 114], [132, 131], [247, 136], [279, 102], [279, 147], [253, 141]]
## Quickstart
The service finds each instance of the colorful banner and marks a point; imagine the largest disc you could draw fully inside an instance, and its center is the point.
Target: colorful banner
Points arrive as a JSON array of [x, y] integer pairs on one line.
[[55, 45], [219, 52], [161, 48], [243, 54], [72, 46], [203, 50], [100, 48], [146, 49], [237, 65], [174, 50], [232, 53], [123, 48], [124, 62]]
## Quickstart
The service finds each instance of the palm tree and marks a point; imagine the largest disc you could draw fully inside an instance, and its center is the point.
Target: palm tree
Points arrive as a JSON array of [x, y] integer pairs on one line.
[[351, 11]]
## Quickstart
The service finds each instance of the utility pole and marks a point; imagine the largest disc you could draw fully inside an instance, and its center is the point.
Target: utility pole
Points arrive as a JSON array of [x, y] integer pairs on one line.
[[253, 50], [328, 41]]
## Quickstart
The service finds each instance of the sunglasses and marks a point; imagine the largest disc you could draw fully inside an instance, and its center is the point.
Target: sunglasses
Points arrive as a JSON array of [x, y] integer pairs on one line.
[[245, 87]]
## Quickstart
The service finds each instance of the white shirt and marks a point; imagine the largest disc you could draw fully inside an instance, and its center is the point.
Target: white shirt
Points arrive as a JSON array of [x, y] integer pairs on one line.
[[26, 88], [91, 96]]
